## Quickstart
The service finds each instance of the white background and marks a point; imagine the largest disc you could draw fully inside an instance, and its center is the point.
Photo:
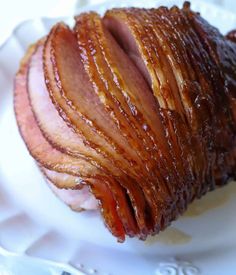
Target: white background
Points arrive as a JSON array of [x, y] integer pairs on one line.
[[12, 12]]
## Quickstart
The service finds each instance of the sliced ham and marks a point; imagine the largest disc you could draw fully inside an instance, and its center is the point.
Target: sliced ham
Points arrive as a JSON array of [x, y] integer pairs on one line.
[[37, 145], [131, 114], [51, 124], [50, 158], [74, 95], [108, 67], [63, 36], [129, 27]]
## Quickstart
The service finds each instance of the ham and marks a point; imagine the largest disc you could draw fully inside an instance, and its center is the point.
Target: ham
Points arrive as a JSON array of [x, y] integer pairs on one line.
[[132, 114]]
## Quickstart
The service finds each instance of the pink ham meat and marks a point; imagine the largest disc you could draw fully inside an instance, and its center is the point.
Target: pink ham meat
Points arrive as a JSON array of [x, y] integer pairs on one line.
[[76, 195], [62, 180], [45, 112], [77, 200]]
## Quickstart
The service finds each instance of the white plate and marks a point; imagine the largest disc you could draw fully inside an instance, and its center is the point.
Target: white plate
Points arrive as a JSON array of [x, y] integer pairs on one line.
[[33, 221]]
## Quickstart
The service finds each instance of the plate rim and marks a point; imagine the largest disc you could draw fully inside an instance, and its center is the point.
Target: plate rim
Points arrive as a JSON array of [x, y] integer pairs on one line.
[[47, 19]]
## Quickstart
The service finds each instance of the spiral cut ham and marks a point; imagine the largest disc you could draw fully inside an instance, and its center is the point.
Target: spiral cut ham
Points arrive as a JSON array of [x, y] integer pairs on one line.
[[133, 113]]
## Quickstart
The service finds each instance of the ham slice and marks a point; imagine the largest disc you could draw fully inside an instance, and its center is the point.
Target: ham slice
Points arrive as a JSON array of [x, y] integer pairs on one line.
[[77, 200], [62, 180], [77, 195]]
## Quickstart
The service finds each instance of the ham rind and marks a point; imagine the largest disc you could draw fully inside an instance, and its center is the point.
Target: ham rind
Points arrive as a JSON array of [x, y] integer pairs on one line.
[[126, 206], [109, 208], [220, 53], [177, 77], [190, 93]]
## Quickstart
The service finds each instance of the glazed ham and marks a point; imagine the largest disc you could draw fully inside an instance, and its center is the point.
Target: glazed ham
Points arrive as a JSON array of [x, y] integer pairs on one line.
[[132, 114]]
